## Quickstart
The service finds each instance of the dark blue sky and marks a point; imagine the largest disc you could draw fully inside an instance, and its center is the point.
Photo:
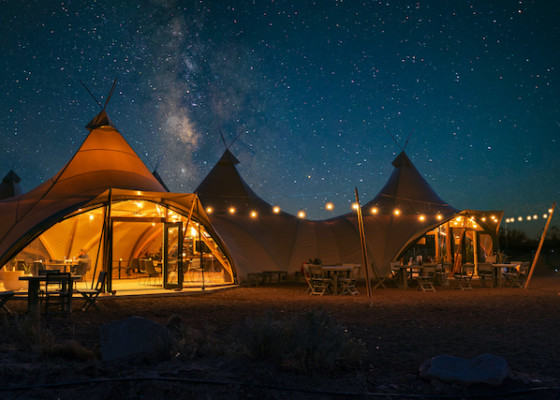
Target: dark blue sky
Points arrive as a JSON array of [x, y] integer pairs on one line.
[[313, 89]]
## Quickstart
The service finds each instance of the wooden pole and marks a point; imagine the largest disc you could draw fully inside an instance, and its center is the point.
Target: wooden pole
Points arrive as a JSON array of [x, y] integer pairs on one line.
[[540, 247], [363, 243]]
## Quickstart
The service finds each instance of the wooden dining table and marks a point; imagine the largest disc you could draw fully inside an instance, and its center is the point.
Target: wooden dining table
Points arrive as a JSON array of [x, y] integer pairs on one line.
[[33, 287], [335, 271], [497, 276]]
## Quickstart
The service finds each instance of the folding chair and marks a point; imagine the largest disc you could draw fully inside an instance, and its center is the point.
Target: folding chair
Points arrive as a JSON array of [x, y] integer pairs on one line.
[[426, 279], [316, 281], [386, 275], [348, 284], [517, 276], [58, 293], [4, 297], [485, 273], [464, 278], [90, 295]]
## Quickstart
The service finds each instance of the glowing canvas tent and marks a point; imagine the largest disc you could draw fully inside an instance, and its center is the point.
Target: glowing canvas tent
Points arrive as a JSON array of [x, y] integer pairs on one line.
[[404, 211], [106, 201], [261, 238], [407, 209]]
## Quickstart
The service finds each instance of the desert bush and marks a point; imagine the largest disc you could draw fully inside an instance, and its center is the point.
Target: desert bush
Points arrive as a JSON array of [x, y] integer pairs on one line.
[[191, 343], [26, 332], [312, 342], [70, 350]]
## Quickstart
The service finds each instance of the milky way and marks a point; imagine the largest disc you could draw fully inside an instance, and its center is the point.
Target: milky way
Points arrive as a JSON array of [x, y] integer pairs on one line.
[[314, 98]]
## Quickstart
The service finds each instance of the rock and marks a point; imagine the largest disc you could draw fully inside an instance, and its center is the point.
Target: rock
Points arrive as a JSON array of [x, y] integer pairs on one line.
[[484, 369], [135, 339]]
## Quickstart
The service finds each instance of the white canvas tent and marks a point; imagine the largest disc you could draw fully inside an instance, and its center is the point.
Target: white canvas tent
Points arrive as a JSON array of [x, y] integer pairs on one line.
[[107, 182], [269, 241]]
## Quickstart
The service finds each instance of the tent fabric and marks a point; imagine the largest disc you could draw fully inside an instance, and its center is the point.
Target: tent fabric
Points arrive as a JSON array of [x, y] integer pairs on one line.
[[104, 160], [9, 187], [284, 242]]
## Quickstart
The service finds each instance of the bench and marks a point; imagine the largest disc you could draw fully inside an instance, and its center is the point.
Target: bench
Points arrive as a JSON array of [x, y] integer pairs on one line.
[[254, 278], [269, 276], [4, 297]]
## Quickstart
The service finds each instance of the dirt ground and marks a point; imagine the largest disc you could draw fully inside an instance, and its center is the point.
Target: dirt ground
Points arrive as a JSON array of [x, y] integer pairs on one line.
[[401, 329]]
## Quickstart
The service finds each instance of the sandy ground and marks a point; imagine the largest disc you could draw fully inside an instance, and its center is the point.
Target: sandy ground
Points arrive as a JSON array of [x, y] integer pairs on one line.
[[401, 329]]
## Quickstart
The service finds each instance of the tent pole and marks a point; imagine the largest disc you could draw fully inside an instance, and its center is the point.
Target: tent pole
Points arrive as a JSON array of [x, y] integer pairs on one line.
[[540, 247], [363, 243]]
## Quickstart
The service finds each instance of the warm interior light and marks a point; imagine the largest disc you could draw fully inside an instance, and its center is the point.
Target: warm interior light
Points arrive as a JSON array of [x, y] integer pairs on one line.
[[91, 217], [232, 210], [193, 231], [253, 214], [301, 214], [209, 210], [276, 210], [329, 206], [374, 210]]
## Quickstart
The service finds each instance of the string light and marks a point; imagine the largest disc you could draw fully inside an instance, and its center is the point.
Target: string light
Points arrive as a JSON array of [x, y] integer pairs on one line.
[[209, 210], [439, 217], [276, 210], [329, 206], [421, 217], [397, 212], [253, 214], [374, 210], [355, 206], [301, 214], [232, 210]]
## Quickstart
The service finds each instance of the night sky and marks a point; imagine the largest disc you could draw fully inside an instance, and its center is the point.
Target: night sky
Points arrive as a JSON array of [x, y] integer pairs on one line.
[[320, 95]]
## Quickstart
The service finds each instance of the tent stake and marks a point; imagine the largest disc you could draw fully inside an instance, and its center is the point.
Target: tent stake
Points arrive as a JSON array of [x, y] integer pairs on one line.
[[540, 247]]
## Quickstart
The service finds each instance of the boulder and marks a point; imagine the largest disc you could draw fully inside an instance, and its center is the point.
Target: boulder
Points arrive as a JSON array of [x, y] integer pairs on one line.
[[484, 369], [135, 339]]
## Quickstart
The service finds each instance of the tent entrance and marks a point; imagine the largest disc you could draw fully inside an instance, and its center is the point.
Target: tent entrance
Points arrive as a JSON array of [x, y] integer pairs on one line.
[[172, 266]]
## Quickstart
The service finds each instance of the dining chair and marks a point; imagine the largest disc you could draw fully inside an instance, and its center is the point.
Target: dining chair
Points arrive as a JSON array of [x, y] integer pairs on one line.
[[58, 293], [426, 279], [485, 273], [516, 277], [90, 295], [317, 283], [463, 279], [348, 283], [385, 275]]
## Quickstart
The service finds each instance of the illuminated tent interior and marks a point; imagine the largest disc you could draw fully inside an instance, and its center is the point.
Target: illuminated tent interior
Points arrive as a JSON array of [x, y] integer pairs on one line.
[[105, 201]]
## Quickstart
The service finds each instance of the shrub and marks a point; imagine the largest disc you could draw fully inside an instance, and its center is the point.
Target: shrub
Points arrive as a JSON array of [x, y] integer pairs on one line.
[[312, 343]]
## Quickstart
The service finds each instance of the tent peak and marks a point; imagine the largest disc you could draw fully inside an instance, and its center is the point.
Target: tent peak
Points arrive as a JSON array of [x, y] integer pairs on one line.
[[101, 119], [228, 158], [402, 160], [11, 177]]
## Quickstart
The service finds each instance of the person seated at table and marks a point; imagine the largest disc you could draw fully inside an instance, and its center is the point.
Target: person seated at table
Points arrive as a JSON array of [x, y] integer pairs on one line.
[[82, 255]]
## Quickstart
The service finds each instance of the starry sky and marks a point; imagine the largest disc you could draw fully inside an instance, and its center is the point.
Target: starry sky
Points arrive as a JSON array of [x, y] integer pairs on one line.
[[315, 98]]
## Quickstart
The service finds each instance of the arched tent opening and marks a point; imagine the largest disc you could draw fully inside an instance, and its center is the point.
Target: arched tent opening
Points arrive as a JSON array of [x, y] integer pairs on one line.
[[123, 231]]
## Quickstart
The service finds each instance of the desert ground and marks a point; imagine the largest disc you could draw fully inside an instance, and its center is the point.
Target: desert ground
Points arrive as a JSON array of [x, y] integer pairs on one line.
[[400, 329]]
